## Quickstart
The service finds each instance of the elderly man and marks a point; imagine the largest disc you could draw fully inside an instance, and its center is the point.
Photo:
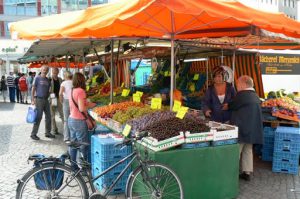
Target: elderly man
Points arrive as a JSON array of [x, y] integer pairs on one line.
[[55, 104], [40, 95], [246, 114]]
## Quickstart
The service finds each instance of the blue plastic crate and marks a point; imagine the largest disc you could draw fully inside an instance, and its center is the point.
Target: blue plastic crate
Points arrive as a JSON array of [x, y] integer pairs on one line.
[[108, 178], [287, 146], [195, 145], [267, 156], [269, 141], [285, 163], [224, 142], [116, 189], [291, 134], [104, 149], [98, 167], [269, 132]]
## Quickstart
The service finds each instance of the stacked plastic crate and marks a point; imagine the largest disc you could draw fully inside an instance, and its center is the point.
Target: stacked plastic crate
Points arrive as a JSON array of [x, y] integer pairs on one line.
[[105, 154], [286, 150], [268, 146]]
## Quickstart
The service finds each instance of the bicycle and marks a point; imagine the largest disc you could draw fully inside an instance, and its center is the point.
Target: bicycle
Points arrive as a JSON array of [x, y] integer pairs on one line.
[[148, 180]]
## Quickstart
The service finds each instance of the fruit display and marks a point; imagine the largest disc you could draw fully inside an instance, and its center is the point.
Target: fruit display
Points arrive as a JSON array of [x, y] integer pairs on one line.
[[131, 113], [105, 100], [110, 110], [138, 124], [283, 102], [165, 129]]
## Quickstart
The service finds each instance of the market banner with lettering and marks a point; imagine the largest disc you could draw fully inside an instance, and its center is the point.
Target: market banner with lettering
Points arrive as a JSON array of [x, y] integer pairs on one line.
[[279, 64]]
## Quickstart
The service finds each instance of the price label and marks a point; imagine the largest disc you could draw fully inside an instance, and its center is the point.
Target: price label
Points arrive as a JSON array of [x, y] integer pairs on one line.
[[126, 130], [114, 93], [109, 103], [156, 103], [182, 111], [125, 92], [136, 97], [140, 93], [196, 77], [177, 105], [122, 85]]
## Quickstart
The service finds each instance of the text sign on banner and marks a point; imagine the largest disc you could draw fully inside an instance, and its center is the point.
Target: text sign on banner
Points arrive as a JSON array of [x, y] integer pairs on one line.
[[177, 105], [196, 77], [136, 97], [125, 92], [182, 111], [156, 103], [126, 130], [278, 64]]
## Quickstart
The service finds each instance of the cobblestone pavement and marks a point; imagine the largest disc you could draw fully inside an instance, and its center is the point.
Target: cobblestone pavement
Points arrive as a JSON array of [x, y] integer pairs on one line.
[[16, 145]]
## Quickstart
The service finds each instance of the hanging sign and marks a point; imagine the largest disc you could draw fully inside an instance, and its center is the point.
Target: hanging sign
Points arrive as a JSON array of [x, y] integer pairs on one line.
[[156, 103], [182, 111], [126, 130], [177, 105]]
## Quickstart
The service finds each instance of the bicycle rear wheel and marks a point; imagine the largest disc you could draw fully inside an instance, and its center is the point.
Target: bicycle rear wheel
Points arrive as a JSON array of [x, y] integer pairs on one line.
[[51, 181], [165, 180]]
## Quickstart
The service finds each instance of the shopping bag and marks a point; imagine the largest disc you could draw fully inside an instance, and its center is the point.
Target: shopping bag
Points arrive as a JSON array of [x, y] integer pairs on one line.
[[31, 114]]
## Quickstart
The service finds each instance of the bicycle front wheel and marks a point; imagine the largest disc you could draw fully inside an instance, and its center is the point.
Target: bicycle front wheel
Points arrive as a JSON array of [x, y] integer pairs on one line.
[[158, 182], [51, 181]]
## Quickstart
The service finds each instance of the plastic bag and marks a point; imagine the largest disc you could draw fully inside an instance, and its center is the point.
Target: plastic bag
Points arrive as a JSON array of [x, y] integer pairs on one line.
[[31, 114]]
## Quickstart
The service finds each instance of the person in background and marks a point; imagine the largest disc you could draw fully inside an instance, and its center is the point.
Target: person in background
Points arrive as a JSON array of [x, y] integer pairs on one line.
[[23, 88], [39, 98], [217, 97], [64, 94], [3, 88], [10, 82], [18, 92], [30, 79], [247, 115], [57, 105], [76, 122]]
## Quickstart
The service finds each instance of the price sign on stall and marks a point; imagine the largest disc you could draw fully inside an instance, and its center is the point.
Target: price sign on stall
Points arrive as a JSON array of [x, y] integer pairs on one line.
[[140, 93], [136, 97], [122, 85], [156, 103], [125, 92], [196, 77], [182, 111], [177, 105], [114, 93], [126, 130]]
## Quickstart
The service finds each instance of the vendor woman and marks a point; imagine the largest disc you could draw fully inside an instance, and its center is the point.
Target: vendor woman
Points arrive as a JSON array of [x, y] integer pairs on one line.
[[217, 97]]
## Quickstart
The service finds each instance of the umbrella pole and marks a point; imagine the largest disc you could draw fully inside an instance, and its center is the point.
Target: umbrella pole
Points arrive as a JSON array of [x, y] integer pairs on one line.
[[111, 72], [172, 73], [233, 66]]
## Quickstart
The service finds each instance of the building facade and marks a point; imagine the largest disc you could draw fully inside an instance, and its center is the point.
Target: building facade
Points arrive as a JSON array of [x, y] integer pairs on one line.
[[289, 7]]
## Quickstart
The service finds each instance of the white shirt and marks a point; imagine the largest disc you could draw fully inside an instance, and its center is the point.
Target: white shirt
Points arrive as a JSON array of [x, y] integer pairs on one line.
[[221, 98], [67, 84]]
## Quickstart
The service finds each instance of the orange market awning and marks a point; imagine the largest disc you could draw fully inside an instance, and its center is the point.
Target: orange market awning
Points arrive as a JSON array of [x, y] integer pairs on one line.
[[175, 19]]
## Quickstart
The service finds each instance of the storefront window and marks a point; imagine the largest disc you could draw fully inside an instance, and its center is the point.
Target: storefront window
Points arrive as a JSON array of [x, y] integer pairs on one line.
[[49, 7], [20, 7], [69, 5]]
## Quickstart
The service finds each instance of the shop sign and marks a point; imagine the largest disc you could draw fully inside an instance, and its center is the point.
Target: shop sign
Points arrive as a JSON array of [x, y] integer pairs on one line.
[[275, 64], [9, 49]]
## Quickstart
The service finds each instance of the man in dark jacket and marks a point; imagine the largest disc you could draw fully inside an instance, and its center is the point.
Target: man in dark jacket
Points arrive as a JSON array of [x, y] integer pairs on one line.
[[246, 114]]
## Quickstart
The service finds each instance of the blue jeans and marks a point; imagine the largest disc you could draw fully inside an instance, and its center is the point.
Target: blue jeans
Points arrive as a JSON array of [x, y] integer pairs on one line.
[[66, 110], [12, 93], [78, 132]]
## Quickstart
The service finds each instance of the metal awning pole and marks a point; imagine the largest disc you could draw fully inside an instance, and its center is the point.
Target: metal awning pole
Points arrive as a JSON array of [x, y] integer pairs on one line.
[[172, 73], [112, 71]]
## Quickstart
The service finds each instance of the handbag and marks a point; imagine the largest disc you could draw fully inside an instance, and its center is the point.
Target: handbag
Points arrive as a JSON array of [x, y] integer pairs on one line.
[[90, 122], [31, 114]]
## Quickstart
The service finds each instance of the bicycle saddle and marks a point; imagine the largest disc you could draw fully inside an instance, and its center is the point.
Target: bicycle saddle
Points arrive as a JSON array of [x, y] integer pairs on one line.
[[77, 144]]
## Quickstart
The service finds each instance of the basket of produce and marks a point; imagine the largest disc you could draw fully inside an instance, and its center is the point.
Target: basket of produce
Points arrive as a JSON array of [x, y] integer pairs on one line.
[[223, 131]]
